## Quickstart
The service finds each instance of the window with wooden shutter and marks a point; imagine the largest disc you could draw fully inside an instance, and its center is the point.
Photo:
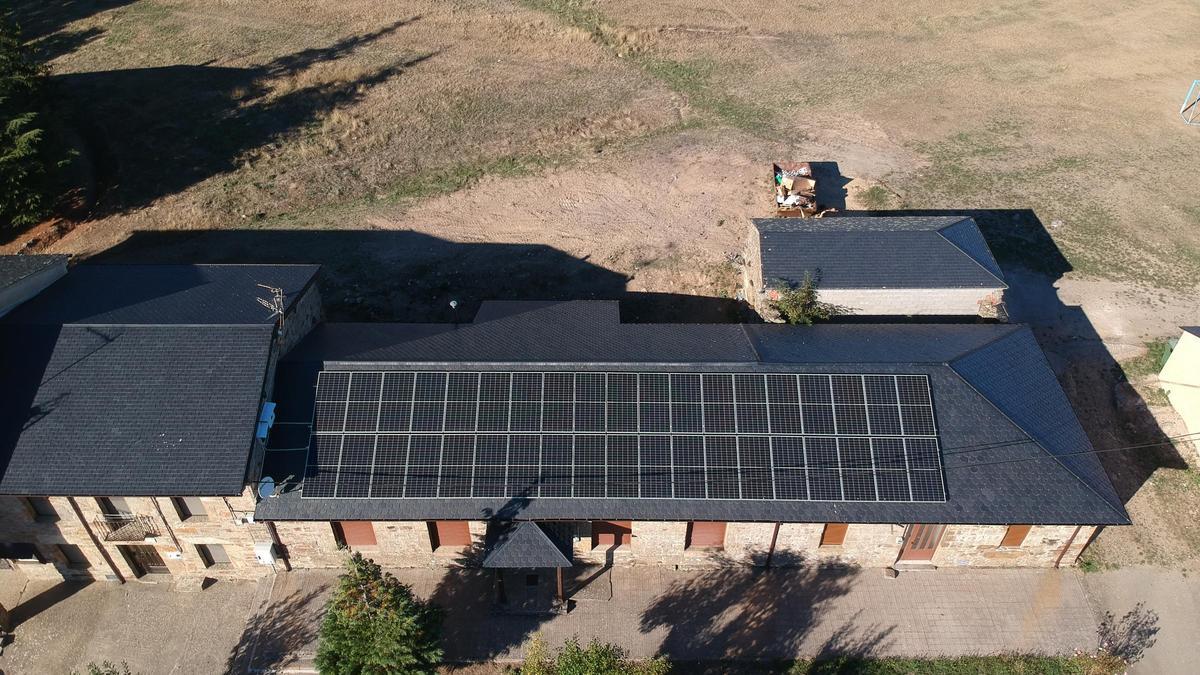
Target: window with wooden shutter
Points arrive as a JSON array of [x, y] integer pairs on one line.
[[1014, 536], [357, 533], [834, 534], [706, 535], [611, 533], [449, 534]]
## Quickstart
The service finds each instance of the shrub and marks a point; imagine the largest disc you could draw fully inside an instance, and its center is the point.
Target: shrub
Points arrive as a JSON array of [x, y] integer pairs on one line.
[[374, 624], [597, 658], [802, 304]]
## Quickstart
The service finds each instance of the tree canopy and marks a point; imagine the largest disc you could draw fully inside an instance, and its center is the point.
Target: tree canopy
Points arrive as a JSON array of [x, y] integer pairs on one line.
[[24, 180], [374, 624]]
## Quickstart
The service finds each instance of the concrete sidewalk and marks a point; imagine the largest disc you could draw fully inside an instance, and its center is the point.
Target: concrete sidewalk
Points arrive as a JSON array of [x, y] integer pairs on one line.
[[727, 613]]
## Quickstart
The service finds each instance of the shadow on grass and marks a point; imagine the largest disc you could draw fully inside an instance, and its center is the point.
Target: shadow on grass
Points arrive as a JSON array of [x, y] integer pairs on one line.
[[153, 132]]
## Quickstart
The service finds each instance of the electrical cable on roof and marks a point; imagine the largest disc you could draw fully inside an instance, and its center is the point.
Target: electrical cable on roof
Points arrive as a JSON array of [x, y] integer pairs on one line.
[[1170, 441]]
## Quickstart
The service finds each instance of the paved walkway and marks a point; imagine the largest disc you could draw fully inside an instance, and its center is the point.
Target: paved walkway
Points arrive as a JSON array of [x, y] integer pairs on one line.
[[733, 613], [745, 614]]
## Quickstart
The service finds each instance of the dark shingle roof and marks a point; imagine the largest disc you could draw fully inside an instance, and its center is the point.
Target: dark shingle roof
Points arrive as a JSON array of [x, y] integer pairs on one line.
[[1013, 451], [14, 268], [129, 410], [858, 252], [163, 294], [524, 545]]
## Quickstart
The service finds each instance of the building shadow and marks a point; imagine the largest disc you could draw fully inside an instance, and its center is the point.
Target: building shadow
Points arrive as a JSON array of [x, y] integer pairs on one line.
[[45, 600], [273, 638], [736, 612], [153, 132], [1111, 412], [401, 275]]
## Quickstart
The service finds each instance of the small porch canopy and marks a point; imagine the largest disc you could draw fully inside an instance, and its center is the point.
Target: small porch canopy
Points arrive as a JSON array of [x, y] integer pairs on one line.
[[525, 545]]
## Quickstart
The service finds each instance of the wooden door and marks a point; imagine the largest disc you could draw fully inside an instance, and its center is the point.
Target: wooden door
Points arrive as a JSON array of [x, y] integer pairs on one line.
[[357, 532], [144, 560], [920, 542]]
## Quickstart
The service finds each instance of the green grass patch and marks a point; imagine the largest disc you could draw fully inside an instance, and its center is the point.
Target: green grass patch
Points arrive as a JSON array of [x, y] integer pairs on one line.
[[1149, 363], [876, 198], [693, 79], [1005, 664], [976, 665]]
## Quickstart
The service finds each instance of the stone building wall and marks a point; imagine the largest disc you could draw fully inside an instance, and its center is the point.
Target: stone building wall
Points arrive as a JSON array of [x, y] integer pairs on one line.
[[979, 546], [306, 313], [224, 523], [407, 544], [896, 302]]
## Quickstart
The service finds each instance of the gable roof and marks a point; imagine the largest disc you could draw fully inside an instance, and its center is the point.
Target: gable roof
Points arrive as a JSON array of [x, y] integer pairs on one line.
[[14, 268], [129, 410], [164, 294], [865, 252], [524, 545], [1012, 449]]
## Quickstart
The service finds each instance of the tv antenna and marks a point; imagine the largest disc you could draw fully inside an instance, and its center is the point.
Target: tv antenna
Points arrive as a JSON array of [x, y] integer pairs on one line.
[[1190, 110], [274, 303]]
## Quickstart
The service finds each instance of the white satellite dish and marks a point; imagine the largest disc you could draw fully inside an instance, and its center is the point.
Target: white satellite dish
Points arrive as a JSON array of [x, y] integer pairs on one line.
[[266, 487]]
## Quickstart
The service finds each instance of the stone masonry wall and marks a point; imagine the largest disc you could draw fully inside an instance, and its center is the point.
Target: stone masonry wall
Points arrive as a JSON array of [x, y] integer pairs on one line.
[[407, 544], [898, 302], [224, 522], [979, 546]]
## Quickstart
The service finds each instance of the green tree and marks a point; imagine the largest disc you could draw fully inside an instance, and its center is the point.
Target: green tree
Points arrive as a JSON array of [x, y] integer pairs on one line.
[[374, 624], [597, 658], [802, 304], [25, 192]]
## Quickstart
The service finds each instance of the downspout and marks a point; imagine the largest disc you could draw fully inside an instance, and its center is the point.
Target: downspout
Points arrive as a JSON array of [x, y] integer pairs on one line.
[[287, 565], [112, 566], [1067, 547], [167, 526], [771, 551]]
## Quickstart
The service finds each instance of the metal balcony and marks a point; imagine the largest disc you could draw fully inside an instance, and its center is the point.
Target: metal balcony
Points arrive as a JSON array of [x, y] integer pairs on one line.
[[126, 527]]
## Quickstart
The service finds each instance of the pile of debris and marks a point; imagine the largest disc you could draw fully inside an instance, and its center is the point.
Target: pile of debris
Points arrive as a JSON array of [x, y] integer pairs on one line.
[[795, 189]]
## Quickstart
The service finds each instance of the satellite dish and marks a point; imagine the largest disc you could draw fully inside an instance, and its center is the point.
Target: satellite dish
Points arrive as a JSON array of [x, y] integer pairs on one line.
[[266, 487]]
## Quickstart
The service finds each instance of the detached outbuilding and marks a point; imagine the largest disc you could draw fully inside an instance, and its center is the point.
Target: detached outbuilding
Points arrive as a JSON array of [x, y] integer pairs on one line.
[[908, 266], [1180, 378]]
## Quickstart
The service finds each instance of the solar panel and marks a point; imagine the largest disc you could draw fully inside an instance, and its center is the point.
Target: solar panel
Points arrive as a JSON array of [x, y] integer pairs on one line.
[[467, 434]]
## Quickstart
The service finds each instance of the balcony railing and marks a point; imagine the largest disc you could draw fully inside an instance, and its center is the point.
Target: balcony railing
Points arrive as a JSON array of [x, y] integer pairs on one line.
[[126, 527]]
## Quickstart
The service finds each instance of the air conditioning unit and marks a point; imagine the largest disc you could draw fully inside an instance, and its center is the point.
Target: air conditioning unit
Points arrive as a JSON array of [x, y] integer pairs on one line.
[[264, 551]]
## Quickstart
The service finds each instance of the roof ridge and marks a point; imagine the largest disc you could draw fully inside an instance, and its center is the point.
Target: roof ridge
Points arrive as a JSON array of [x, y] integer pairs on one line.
[[1115, 509], [941, 232]]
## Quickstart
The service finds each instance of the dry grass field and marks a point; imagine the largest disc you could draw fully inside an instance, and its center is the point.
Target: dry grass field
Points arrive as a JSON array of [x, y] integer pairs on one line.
[[427, 151]]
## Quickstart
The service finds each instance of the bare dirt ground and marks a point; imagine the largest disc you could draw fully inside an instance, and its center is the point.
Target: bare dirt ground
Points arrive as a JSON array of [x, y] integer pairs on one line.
[[572, 148]]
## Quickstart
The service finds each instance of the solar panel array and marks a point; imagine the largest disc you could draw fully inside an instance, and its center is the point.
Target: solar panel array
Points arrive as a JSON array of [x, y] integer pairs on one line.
[[786, 436]]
